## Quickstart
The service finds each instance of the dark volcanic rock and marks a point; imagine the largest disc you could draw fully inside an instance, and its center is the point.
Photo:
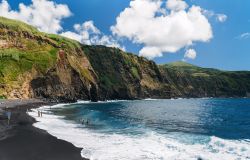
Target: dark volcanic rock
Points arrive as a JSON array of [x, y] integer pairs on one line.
[[51, 87]]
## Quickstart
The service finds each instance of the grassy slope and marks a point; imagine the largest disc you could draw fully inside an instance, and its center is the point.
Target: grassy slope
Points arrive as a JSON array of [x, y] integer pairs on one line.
[[22, 54], [27, 50], [211, 82]]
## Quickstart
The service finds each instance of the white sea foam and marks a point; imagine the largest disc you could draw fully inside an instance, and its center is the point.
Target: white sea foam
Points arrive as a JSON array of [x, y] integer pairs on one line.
[[82, 101], [101, 146], [107, 101], [151, 99], [112, 101]]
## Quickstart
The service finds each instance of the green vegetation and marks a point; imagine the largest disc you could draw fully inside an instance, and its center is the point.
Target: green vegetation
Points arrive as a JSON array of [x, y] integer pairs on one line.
[[180, 64], [186, 67], [103, 61], [15, 62], [26, 53], [2, 97], [18, 26], [66, 43], [135, 73], [124, 75], [190, 79], [22, 54], [23, 50], [200, 75]]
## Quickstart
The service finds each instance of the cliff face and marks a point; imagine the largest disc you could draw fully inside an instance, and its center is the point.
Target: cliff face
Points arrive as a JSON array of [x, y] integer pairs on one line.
[[125, 76], [40, 65], [192, 81]]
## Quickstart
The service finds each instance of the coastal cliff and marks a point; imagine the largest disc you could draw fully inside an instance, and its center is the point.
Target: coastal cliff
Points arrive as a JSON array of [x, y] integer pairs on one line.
[[40, 65], [193, 81]]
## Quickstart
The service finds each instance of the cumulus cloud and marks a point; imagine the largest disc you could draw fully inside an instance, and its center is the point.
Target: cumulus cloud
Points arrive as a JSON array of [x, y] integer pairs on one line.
[[176, 5], [142, 23], [83, 32], [47, 16], [190, 54], [44, 14], [88, 33]]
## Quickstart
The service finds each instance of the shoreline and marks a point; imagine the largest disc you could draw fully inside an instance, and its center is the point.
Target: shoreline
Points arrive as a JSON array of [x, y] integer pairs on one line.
[[21, 140], [115, 144]]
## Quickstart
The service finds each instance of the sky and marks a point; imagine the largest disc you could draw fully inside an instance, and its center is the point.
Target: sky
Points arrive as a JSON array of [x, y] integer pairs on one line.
[[214, 34]]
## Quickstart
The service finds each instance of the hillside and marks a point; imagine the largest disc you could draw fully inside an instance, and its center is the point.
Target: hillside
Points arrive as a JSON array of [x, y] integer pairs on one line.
[[35, 64], [193, 81], [39, 65]]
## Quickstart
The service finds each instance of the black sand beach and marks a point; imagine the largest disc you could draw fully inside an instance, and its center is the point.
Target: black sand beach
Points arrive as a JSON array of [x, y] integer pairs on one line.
[[22, 141]]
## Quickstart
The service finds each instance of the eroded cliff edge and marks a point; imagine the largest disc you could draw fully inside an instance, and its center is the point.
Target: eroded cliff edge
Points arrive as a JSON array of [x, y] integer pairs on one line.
[[40, 65]]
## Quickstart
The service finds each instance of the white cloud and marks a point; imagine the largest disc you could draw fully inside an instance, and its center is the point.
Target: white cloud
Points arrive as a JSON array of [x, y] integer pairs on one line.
[[245, 35], [190, 54], [208, 13], [151, 52], [221, 17], [176, 5], [73, 35], [44, 14], [142, 23], [88, 33], [218, 16]]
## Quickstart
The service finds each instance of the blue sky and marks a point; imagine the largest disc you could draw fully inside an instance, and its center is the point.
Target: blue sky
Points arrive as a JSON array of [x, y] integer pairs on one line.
[[226, 50]]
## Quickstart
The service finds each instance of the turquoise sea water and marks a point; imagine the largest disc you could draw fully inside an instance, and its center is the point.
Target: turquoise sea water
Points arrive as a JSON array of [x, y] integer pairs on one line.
[[154, 129]]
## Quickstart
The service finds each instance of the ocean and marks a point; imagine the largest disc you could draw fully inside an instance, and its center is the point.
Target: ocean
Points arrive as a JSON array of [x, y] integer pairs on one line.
[[165, 129]]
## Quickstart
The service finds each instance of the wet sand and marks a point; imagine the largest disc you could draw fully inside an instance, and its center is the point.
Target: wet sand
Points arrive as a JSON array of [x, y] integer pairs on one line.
[[21, 141]]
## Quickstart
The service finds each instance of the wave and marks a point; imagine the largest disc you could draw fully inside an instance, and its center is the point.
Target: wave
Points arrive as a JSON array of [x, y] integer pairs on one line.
[[151, 99], [151, 145], [107, 101]]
